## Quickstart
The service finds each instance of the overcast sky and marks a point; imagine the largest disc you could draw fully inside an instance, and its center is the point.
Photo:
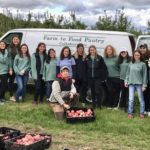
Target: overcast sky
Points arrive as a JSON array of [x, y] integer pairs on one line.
[[86, 10]]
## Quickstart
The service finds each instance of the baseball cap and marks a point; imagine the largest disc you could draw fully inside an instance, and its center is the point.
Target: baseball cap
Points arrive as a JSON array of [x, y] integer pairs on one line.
[[123, 49], [143, 45], [64, 67]]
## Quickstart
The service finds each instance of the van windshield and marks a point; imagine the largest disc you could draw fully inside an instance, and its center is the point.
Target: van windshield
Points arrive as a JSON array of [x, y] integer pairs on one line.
[[9, 36], [144, 40]]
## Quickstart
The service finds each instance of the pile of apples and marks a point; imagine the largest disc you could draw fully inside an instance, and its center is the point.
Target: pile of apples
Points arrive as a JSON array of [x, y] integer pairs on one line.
[[79, 113], [30, 139]]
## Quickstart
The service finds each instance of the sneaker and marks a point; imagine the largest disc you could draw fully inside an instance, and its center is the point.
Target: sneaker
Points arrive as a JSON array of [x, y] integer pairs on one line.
[[142, 116], [145, 113], [130, 116], [20, 98], [115, 108], [12, 99], [148, 113], [1, 102]]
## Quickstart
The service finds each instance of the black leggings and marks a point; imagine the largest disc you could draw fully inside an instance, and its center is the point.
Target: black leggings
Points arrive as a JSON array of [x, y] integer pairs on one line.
[[3, 85], [81, 89], [39, 89], [147, 97], [11, 79], [113, 85], [124, 94], [95, 85]]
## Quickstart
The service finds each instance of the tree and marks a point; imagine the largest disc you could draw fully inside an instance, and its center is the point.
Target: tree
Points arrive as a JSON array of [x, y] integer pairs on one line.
[[119, 22]]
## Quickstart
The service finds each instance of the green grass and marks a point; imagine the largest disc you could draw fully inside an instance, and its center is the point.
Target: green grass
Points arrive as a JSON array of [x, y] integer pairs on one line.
[[112, 130]]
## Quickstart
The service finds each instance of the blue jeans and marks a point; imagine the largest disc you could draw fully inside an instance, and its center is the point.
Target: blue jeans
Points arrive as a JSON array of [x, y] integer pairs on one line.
[[132, 89], [48, 88], [21, 83]]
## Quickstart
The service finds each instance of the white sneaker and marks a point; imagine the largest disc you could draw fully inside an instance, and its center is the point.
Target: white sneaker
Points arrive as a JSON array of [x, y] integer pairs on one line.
[[115, 108], [1, 102], [12, 99], [20, 98], [148, 114]]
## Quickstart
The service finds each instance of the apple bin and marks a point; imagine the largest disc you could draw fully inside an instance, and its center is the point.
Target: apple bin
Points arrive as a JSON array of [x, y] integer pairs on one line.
[[29, 142], [6, 134], [74, 115]]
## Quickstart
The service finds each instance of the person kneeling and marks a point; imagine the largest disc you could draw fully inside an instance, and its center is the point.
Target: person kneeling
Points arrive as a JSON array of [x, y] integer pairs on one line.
[[64, 94]]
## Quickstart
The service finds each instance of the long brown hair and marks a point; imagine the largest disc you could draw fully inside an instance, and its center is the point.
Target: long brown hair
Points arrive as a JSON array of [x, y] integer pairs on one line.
[[133, 59], [48, 59], [91, 46], [27, 53], [37, 49], [14, 47], [113, 51], [3, 50], [62, 53]]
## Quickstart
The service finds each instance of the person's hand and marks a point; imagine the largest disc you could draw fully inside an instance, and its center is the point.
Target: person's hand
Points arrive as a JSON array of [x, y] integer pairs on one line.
[[149, 62], [73, 80], [143, 88], [66, 106], [126, 84], [71, 95], [10, 72], [22, 72]]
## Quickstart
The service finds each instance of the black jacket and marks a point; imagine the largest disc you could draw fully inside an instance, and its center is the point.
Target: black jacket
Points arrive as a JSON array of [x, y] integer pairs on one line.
[[96, 68], [38, 62], [80, 72]]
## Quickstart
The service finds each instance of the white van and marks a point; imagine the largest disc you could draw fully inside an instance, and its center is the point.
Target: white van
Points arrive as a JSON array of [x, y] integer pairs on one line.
[[58, 38], [143, 39]]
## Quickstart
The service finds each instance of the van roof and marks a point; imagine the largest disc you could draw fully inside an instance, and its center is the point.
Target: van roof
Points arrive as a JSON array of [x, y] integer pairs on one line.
[[144, 36], [72, 30]]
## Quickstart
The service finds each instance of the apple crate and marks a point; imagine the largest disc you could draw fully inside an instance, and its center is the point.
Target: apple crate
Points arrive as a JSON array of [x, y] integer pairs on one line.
[[83, 115], [40, 144], [7, 134], [48, 140]]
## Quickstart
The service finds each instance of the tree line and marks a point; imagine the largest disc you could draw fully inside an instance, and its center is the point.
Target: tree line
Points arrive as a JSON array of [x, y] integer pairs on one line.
[[118, 22]]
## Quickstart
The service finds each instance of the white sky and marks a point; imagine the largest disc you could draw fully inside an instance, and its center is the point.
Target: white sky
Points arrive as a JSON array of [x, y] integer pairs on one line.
[[87, 11]]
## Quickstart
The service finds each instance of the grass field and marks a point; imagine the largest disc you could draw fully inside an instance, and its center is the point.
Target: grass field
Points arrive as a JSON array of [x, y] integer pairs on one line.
[[112, 130]]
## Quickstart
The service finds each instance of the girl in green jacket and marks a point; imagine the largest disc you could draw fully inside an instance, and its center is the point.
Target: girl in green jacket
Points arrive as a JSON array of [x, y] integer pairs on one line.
[[37, 66], [13, 50], [136, 80], [21, 69], [4, 69], [49, 72]]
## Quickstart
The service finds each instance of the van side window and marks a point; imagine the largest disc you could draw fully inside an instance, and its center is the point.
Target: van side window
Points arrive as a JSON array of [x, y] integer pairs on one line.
[[9, 36], [132, 41]]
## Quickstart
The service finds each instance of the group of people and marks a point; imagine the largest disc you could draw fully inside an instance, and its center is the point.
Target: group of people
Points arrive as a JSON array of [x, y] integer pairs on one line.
[[67, 79]]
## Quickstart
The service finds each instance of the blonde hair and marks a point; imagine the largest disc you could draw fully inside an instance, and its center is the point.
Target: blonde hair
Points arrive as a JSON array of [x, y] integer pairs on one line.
[[113, 51]]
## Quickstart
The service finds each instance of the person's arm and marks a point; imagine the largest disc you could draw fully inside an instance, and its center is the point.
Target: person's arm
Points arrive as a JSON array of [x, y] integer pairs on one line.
[[127, 76], [144, 71], [33, 67], [73, 71], [73, 89], [73, 65], [104, 67], [57, 92], [58, 67], [15, 66], [44, 72]]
